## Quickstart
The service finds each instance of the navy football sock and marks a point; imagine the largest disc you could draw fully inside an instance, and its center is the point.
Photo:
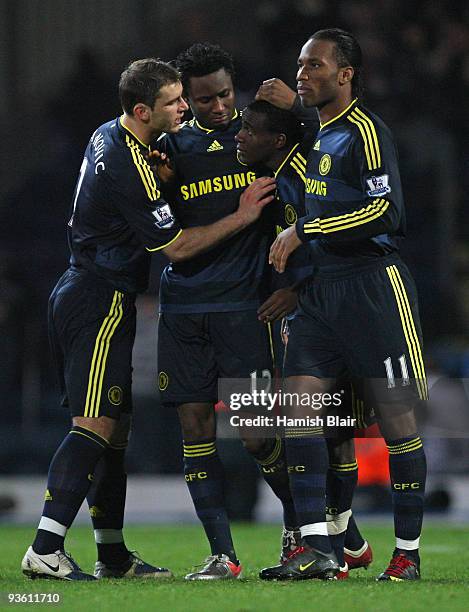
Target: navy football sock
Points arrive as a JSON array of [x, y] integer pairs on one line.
[[106, 501], [353, 538], [307, 459], [408, 469], [204, 476], [413, 555], [69, 479], [341, 482], [273, 467]]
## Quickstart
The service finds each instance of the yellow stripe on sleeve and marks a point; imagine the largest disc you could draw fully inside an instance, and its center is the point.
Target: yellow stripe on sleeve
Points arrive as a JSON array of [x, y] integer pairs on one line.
[[370, 161], [369, 136], [374, 135], [164, 245], [343, 222], [298, 170], [298, 154], [299, 162], [144, 170]]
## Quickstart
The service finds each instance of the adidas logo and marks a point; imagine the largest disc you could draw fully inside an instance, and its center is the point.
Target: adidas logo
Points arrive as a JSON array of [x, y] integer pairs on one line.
[[47, 496], [317, 145], [215, 146]]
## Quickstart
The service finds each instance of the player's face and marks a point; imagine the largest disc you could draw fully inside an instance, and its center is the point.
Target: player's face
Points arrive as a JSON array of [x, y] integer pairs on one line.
[[168, 111], [255, 143], [212, 99], [318, 73]]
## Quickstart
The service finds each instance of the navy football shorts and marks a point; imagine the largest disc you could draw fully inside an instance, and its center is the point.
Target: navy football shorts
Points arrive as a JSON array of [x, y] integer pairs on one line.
[[195, 350], [91, 333], [363, 324]]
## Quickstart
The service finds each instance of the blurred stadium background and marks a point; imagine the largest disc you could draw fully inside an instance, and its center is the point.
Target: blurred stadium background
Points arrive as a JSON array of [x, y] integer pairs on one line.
[[59, 66]]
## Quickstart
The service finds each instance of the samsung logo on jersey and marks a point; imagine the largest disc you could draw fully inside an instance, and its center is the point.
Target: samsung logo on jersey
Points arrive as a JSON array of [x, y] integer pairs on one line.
[[316, 187], [216, 184]]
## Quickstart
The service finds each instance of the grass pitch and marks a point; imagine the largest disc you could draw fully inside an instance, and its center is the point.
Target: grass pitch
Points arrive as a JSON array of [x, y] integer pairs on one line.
[[445, 583]]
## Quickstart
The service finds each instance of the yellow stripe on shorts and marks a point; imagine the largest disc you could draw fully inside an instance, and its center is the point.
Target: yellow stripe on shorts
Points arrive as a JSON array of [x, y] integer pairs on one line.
[[100, 353], [410, 332]]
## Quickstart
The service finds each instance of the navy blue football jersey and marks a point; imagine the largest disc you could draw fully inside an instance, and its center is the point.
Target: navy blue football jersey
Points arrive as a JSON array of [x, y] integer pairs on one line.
[[289, 206], [118, 216], [353, 193], [209, 181]]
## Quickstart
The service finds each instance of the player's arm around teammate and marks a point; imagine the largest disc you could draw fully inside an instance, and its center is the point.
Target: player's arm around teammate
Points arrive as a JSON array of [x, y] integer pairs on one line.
[[118, 218], [196, 240]]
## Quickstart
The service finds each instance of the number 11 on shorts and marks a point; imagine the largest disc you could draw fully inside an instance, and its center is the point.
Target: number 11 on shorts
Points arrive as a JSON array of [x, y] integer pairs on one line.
[[390, 372]]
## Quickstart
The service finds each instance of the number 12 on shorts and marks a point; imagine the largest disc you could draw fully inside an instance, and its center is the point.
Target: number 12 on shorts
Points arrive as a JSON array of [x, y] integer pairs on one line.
[[390, 372], [266, 375]]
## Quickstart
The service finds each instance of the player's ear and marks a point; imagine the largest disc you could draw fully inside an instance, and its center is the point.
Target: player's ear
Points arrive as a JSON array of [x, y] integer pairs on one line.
[[280, 141], [346, 75], [142, 111]]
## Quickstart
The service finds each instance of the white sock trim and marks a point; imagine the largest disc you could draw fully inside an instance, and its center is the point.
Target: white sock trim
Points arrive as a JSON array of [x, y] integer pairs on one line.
[[407, 544], [108, 536], [48, 524], [356, 553], [337, 523], [314, 529]]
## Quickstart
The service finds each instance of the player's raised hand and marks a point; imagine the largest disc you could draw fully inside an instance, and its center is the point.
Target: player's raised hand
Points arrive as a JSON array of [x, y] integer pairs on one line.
[[161, 163], [283, 246], [255, 197], [279, 304], [277, 93]]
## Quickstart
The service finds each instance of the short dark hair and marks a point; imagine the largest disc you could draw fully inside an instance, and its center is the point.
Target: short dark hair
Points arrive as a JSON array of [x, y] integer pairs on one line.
[[201, 59], [278, 121], [347, 53], [142, 81]]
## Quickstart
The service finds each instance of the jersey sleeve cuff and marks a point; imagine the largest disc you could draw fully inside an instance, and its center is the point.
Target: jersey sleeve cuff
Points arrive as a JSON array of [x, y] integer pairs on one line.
[[158, 248], [299, 226], [297, 107]]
